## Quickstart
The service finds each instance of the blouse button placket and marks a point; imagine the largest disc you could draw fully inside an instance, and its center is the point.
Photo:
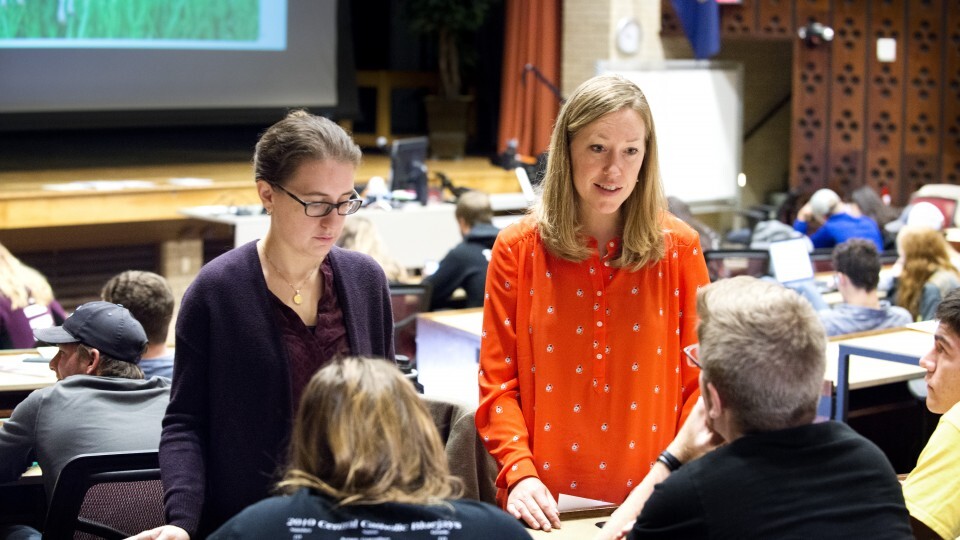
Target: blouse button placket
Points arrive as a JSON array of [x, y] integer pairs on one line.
[[597, 283]]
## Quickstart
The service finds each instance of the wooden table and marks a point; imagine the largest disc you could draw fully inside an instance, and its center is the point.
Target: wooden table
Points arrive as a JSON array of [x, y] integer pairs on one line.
[[576, 525], [875, 358], [19, 378], [448, 354]]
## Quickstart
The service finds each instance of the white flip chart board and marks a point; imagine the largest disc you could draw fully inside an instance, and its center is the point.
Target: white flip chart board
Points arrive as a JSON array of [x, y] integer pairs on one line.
[[698, 114]]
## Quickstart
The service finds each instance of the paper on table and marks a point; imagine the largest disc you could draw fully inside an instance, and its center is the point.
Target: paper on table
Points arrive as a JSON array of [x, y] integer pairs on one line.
[[570, 502]]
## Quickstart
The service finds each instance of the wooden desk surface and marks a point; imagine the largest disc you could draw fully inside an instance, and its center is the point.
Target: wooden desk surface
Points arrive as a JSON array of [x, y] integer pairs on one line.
[[468, 321], [576, 525], [19, 376]]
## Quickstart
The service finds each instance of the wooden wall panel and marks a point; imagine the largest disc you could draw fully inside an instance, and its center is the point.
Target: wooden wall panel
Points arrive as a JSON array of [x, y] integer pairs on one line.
[[857, 120], [950, 147], [811, 71], [885, 97], [847, 98], [669, 22], [739, 20], [922, 95], [775, 19]]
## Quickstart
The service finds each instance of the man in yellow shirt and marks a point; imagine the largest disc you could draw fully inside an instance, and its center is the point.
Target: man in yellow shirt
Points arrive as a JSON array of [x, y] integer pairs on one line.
[[932, 490]]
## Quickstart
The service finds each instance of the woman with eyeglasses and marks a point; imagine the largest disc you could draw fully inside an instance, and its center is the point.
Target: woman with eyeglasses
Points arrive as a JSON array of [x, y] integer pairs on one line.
[[259, 321]]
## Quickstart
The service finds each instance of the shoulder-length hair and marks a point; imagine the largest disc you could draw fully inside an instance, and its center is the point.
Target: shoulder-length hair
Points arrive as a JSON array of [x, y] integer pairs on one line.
[[641, 214], [363, 436], [20, 283], [925, 252]]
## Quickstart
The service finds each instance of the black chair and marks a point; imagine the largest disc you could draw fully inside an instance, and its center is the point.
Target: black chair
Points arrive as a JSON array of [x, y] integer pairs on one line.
[[408, 300], [725, 263], [111, 495]]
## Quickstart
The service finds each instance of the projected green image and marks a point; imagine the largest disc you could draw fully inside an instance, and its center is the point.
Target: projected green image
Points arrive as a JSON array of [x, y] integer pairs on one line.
[[202, 20]]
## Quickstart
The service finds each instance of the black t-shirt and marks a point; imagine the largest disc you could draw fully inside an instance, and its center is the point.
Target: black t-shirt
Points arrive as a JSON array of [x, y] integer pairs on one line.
[[816, 481], [308, 516]]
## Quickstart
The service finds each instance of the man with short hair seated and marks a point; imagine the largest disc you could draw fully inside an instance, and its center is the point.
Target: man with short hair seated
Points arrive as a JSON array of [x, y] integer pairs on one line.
[[465, 266], [857, 265], [777, 474], [149, 298], [932, 490], [101, 402]]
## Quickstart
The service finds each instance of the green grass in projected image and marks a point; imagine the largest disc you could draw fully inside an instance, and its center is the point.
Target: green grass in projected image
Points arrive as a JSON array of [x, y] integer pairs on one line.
[[214, 20]]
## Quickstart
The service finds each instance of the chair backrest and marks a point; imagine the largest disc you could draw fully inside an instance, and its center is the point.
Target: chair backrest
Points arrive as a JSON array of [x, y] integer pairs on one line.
[[408, 300], [724, 263], [111, 495], [468, 459]]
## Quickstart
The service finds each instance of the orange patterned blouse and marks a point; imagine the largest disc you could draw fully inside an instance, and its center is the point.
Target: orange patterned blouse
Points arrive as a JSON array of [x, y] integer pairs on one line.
[[582, 378]]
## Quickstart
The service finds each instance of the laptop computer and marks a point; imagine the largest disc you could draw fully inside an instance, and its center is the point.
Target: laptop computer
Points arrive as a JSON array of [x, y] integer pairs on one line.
[[790, 263]]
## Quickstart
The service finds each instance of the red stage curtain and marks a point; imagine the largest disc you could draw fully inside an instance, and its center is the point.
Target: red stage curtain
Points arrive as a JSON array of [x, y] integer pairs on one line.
[[528, 107]]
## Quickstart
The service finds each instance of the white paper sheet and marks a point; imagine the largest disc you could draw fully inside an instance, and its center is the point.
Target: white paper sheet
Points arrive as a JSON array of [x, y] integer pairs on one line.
[[571, 502]]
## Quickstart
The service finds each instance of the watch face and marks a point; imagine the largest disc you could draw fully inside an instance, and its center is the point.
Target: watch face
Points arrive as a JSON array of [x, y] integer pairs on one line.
[[628, 36]]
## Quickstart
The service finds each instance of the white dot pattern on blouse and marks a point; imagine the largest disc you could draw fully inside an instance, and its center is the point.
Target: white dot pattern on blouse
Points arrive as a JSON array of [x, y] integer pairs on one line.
[[596, 366]]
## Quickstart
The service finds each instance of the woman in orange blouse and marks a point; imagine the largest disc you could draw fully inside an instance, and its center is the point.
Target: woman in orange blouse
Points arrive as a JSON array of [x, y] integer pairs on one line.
[[590, 300]]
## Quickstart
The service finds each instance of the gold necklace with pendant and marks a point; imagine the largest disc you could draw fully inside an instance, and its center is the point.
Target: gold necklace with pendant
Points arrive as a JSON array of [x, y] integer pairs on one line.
[[297, 297]]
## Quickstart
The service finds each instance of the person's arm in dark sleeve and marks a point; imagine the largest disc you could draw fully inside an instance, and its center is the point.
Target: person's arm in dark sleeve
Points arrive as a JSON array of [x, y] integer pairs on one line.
[[18, 439], [446, 280]]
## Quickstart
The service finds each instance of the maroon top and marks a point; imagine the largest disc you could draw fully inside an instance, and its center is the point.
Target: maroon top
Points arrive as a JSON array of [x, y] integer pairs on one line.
[[309, 348]]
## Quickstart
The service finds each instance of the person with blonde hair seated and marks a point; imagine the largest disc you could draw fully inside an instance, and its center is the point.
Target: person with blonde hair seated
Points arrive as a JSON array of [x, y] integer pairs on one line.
[[927, 275], [26, 303], [366, 459], [360, 234]]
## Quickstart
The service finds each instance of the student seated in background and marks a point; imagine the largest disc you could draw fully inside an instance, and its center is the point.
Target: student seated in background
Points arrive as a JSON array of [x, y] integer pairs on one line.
[[927, 274], [360, 234], [857, 266], [709, 239], [26, 303], [865, 201], [149, 297], [100, 404], [932, 490], [776, 474], [366, 456], [837, 224], [465, 266]]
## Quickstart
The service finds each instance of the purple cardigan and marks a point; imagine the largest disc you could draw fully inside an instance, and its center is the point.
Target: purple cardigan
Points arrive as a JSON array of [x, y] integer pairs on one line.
[[229, 420]]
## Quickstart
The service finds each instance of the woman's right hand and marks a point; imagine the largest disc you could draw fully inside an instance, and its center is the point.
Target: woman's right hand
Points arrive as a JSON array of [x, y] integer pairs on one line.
[[166, 532], [531, 501]]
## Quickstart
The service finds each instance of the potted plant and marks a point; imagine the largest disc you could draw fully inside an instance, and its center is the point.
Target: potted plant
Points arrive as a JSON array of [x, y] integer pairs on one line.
[[450, 22]]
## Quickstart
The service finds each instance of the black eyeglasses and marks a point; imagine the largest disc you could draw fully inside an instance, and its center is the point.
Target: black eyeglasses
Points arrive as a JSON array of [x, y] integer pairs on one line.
[[320, 209], [693, 354]]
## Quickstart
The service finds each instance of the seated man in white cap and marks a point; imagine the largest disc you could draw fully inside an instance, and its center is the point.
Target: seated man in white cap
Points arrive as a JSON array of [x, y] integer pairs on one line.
[[101, 402], [837, 225]]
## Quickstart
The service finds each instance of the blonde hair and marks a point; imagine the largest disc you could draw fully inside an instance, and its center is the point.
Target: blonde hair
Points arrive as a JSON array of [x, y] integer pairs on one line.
[[925, 252], [20, 283], [761, 345], [557, 213], [363, 436], [360, 234]]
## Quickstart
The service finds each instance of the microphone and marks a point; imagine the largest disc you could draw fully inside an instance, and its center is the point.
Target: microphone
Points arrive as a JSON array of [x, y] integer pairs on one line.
[[530, 68]]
